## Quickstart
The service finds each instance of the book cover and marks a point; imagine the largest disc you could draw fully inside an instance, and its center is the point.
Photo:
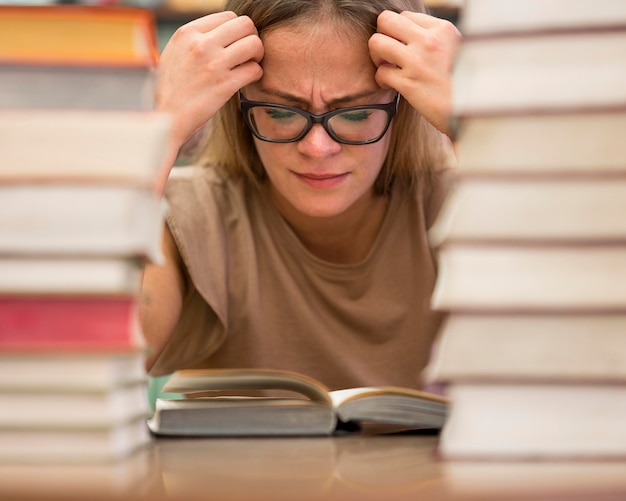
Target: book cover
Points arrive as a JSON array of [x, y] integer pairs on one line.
[[525, 74], [532, 347], [78, 370], [82, 146], [77, 35], [540, 420], [542, 145], [76, 87], [80, 219], [531, 278], [62, 323], [530, 209], [72, 410], [480, 17], [77, 56], [70, 275]]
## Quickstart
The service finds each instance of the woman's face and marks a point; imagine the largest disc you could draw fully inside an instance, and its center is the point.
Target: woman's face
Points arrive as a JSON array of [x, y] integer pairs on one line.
[[319, 70]]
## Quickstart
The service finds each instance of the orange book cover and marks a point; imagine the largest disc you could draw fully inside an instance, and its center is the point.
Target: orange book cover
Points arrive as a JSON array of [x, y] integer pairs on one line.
[[77, 35]]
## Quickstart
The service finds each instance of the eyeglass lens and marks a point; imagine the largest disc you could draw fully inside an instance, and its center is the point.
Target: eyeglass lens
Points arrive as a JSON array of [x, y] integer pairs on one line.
[[351, 125]]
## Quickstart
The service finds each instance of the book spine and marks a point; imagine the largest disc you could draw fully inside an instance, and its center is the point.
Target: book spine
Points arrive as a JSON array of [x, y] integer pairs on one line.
[[42, 323]]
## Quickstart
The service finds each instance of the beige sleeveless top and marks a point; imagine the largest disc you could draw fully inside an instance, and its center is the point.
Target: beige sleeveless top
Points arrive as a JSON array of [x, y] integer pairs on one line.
[[258, 298]]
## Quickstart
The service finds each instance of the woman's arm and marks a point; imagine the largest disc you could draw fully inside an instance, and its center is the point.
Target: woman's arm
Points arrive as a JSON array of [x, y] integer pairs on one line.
[[162, 294], [205, 62]]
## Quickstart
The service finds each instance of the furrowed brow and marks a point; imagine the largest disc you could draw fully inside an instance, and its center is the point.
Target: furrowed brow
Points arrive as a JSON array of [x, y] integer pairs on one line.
[[298, 101]]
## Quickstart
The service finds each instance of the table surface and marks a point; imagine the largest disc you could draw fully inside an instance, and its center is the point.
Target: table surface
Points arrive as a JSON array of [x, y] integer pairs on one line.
[[389, 467]]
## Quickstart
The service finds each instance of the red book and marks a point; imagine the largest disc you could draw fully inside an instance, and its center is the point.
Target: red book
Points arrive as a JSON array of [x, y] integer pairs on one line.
[[61, 323]]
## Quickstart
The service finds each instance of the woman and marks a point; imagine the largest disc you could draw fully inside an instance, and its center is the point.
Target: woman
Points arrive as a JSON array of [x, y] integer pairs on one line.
[[300, 243]]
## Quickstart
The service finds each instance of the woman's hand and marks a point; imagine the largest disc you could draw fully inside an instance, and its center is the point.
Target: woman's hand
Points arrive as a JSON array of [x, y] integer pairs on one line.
[[205, 62], [414, 54]]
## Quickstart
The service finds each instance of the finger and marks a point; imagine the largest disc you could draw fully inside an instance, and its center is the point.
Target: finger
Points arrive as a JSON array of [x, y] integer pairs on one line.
[[386, 76], [385, 50], [409, 27], [249, 48], [245, 74], [233, 30], [389, 77], [390, 22], [251, 45], [395, 33], [424, 20], [209, 22], [446, 30], [394, 25]]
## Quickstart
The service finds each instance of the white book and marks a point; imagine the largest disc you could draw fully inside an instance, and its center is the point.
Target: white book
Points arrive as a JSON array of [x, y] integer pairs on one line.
[[513, 209], [53, 145], [72, 410], [80, 220], [509, 347], [73, 87], [535, 420], [495, 16], [581, 144], [475, 278], [70, 275], [523, 74], [78, 371]]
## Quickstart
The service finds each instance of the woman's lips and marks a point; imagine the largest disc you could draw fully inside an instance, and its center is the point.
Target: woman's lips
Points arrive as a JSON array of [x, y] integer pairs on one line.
[[321, 181]]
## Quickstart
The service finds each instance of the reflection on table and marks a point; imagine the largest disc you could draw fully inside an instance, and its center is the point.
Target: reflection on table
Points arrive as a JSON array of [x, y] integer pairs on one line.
[[390, 467]]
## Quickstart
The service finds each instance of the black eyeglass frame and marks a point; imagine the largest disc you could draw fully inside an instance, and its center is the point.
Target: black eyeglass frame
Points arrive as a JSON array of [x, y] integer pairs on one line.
[[390, 108]]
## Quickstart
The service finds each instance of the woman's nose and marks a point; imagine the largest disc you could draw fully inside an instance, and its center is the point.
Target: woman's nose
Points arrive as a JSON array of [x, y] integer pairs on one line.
[[317, 143]]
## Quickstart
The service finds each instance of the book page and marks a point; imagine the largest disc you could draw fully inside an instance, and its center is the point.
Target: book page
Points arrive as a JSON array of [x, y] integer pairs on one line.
[[339, 397], [203, 380]]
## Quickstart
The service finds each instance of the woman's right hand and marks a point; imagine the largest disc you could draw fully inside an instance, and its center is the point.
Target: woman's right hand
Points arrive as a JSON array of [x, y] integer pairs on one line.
[[204, 63]]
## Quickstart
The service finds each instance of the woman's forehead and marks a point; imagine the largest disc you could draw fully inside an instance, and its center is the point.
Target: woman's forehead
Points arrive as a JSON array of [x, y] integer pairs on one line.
[[322, 62], [308, 28], [316, 45]]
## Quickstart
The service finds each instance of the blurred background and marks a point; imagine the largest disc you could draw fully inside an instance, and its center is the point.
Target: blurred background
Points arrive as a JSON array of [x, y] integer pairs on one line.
[[170, 14]]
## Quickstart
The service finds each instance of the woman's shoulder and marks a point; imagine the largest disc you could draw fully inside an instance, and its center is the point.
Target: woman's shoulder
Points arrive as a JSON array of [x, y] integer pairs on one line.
[[203, 185], [196, 174]]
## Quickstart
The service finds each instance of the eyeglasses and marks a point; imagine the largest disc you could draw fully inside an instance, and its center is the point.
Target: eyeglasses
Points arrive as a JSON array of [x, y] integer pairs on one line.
[[279, 123]]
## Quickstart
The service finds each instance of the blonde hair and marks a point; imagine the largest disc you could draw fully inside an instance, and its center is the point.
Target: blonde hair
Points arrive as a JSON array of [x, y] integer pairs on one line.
[[416, 147]]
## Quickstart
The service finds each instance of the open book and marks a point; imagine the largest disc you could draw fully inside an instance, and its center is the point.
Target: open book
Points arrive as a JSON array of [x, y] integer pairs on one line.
[[313, 409]]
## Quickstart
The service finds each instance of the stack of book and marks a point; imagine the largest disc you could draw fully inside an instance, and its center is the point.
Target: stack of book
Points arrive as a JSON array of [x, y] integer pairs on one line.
[[532, 240], [80, 148]]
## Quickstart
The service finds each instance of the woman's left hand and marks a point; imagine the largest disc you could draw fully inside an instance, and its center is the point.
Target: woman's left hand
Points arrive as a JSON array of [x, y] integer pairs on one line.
[[414, 54]]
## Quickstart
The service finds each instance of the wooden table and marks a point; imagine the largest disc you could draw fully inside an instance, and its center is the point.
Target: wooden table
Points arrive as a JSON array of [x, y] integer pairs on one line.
[[391, 467]]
